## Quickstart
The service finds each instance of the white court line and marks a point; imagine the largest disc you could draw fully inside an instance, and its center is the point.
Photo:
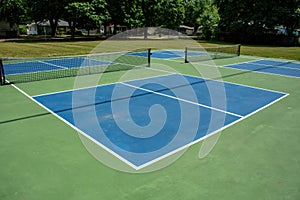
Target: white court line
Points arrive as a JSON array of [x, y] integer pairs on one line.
[[183, 100], [58, 66], [261, 72], [158, 76], [106, 148], [238, 63], [52, 65], [210, 79], [274, 66], [77, 129], [61, 67], [256, 58], [90, 87], [158, 158], [154, 160], [209, 135], [238, 84]]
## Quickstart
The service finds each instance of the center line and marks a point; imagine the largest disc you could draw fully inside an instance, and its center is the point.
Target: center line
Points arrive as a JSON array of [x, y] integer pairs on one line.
[[53, 65], [184, 100]]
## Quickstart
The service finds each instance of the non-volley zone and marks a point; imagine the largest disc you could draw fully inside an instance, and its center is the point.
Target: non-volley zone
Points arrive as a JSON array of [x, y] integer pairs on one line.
[[283, 68], [143, 121]]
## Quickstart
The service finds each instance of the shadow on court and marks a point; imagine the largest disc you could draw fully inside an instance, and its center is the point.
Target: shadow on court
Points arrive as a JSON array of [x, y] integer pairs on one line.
[[25, 117], [48, 113]]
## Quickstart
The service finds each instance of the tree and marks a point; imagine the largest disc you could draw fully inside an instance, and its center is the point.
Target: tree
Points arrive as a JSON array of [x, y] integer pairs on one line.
[[209, 20], [193, 10], [133, 17], [203, 14], [12, 11], [86, 15], [171, 13], [250, 18], [52, 10], [101, 11], [288, 14], [149, 8], [79, 14], [116, 11], [36, 10]]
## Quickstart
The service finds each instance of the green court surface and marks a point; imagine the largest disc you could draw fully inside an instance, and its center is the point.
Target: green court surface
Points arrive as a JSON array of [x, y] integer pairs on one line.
[[258, 158]]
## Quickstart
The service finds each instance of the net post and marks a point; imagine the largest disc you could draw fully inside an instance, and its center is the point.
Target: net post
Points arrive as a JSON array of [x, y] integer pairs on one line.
[[2, 75], [239, 50], [185, 55], [149, 56], [216, 53]]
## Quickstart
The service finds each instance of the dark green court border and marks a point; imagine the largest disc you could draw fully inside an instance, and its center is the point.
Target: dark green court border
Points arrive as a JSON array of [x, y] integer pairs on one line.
[[258, 158]]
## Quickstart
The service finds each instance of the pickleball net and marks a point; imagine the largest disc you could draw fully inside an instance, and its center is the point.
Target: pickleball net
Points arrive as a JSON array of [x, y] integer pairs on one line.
[[20, 70], [197, 54]]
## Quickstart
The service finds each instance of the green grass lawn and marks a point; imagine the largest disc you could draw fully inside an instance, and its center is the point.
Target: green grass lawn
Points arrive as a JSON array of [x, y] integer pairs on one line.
[[65, 48], [45, 49], [43, 158]]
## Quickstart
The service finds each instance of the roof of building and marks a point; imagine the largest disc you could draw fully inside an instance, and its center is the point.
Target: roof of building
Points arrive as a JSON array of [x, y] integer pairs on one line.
[[61, 23]]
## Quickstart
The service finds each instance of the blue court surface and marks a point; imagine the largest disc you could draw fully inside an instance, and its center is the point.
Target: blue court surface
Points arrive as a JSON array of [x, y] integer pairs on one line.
[[51, 64], [168, 54], [142, 121], [290, 69]]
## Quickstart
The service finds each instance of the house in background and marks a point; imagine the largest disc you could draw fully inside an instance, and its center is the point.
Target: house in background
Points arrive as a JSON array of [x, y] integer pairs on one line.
[[186, 29], [8, 31], [43, 27]]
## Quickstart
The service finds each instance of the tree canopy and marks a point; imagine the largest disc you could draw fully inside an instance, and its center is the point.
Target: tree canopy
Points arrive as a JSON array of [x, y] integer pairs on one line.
[[257, 16], [87, 15], [244, 17], [12, 10]]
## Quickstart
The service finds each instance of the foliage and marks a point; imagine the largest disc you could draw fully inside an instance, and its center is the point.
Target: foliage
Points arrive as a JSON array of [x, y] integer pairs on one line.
[[22, 29], [171, 13], [257, 16], [209, 20], [101, 11], [133, 17], [52, 10], [116, 11], [86, 15], [244, 18], [193, 10], [149, 9], [12, 11], [79, 13]]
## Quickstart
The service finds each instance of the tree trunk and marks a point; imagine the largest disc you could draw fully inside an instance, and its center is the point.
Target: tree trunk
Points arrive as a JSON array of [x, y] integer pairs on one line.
[[195, 29], [72, 29], [115, 30], [105, 27], [145, 32], [53, 25]]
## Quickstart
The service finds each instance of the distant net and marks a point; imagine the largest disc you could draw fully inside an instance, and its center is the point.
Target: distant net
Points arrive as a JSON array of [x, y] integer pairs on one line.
[[196, 54], [20, 70]]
